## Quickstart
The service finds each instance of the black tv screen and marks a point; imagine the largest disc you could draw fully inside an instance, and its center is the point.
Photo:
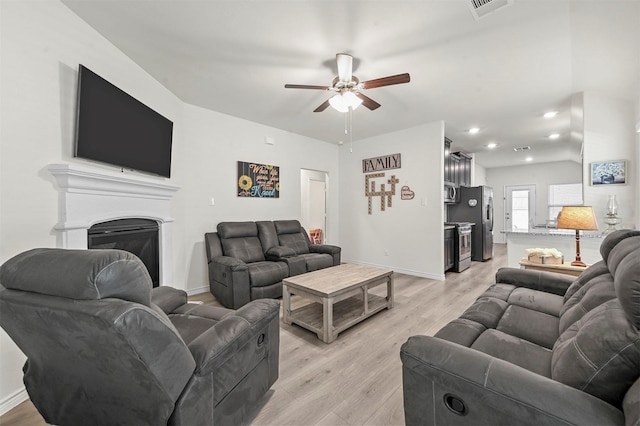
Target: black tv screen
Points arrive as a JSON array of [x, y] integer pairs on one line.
[[115, 128]]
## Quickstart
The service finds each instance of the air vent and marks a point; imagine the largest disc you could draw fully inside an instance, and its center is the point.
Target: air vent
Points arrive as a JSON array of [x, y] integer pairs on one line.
[[522, 148], [482, 8]]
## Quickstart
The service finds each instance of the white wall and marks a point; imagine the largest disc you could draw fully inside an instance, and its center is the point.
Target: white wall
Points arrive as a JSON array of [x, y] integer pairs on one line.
[[478, 175], [42, 44], [206, 168], [609, 126], [637, 157], [540, 175], [411, 231]]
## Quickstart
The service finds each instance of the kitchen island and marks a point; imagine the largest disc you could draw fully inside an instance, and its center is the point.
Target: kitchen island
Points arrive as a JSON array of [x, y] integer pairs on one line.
[[561, 239]]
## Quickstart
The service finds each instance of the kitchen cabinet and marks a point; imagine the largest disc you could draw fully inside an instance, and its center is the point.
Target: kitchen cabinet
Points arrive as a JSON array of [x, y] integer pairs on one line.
[[449, 248], [447, 162], [463, 168]]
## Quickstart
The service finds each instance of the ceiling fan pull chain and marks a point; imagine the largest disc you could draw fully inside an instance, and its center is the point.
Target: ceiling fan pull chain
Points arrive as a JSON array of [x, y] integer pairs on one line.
[[350, 129]]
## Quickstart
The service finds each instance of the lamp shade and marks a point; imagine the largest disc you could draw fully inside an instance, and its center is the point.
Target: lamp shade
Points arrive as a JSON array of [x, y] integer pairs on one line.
[[578, 218], [342, 102]]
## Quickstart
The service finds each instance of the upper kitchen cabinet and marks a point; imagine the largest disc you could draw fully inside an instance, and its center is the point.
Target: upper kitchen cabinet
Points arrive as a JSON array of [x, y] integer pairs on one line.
[[464, 168], [457, 166], [447, 156]]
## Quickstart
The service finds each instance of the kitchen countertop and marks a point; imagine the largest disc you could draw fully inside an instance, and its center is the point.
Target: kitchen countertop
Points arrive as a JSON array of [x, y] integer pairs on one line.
[[551, 232]]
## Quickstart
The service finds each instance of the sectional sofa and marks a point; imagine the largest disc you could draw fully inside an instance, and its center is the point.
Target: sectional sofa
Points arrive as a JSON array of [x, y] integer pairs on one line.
[[249, 260], [536, 348]]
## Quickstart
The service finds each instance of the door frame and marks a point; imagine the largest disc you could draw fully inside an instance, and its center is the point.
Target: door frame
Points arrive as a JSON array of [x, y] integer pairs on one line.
[[307, 175], [508, 204]]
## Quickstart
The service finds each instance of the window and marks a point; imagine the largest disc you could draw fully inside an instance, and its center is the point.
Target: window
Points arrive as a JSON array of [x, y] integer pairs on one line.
[[567, 194]]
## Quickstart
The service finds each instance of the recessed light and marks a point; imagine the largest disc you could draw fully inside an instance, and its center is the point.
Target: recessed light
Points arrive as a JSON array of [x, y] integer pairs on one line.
[[474, 130], [492, 145], [554, 136], [528, 159], [550, 114]]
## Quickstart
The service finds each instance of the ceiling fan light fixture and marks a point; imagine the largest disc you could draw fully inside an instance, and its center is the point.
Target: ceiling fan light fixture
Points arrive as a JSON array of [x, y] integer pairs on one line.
[[342, 102]]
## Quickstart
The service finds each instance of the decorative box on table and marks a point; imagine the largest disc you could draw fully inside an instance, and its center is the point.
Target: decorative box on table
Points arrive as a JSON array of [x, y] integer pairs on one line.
[[546, 256]]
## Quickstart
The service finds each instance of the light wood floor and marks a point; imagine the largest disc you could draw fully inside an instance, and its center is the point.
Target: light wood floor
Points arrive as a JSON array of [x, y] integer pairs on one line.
[[357, 379]]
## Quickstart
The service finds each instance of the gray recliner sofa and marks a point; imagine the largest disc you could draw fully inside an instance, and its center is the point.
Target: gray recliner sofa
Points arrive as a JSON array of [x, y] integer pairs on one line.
[[105, 348], [249, 260], [536, 348]]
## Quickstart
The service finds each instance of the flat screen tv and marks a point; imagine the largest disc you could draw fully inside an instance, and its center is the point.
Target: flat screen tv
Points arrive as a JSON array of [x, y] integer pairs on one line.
[[115, 128]]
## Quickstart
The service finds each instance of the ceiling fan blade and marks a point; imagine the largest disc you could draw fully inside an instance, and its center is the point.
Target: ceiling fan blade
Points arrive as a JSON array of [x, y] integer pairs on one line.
[[387, 81], [368, 102], [345, 67], [322, 106], [305, 86]]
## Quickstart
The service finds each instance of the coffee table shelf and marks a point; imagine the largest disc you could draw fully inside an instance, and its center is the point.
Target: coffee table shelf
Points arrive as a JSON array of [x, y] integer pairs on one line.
[[346, 313]]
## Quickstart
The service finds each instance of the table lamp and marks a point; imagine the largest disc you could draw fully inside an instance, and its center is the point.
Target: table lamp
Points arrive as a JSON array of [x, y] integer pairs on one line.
[[578, 218]]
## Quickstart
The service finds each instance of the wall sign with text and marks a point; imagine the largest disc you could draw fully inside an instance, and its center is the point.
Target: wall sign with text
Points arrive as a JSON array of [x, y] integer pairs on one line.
[[258, 180], [386, 162]]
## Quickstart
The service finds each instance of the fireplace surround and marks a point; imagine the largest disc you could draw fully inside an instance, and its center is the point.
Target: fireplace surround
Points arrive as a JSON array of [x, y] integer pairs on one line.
[[89, 196]]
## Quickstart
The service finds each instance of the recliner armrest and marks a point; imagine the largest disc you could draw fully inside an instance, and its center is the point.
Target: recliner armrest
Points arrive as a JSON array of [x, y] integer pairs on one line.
[[436, 371], [222, 341], [324, 248], [279, 252], [536, 280], [168, 298], [334, 251]]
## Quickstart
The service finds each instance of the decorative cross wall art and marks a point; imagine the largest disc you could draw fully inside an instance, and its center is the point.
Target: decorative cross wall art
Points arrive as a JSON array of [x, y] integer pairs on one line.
[[370, 190], [258, 180]]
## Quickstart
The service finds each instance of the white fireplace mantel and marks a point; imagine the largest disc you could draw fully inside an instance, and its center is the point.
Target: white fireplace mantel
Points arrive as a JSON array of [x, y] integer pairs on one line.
[[89, 195]]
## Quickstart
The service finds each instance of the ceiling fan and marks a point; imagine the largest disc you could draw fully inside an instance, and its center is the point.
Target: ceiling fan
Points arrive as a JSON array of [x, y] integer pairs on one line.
[[349, 88]]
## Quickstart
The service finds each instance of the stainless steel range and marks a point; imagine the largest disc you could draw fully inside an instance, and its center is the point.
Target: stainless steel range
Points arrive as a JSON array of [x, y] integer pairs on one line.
[[462, 249]]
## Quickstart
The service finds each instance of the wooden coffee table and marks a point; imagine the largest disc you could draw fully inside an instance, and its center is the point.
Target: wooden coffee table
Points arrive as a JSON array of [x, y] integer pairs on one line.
[[340, 297]]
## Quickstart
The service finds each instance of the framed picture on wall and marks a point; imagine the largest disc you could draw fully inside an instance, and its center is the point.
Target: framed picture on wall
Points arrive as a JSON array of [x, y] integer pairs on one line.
[[609, 173]]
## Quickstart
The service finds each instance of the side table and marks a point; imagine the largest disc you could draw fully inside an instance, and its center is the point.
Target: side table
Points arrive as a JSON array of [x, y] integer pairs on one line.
[[564, 268]]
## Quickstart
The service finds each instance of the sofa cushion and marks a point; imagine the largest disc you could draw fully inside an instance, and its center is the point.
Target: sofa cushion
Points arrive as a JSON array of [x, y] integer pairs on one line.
[[461, 331], [531, 325], [486, 311], [267, 273], [317, 261], [599, 354], [627, 279], [247, 249], [589, 295], [291, 234], [613, 239], [515, 350], [598, 268], [536, 300]]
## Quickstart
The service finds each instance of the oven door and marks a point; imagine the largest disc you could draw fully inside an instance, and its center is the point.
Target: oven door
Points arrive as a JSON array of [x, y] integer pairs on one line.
[[464, 240]]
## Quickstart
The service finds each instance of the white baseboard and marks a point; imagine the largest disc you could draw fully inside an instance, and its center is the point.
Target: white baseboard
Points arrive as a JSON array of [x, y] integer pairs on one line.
[[399, 271], [13, 401], [198, 290]]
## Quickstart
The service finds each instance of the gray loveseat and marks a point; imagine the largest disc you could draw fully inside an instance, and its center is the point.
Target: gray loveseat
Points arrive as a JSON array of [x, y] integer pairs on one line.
[[103, 348], [249, 260], [536, 348]]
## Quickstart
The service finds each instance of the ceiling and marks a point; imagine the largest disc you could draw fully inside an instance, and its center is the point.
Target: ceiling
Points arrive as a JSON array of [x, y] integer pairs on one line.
[[500, 72]]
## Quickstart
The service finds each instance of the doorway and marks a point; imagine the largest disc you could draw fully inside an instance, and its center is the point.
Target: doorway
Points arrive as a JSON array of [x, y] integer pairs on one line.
[[313, 198], [519, 207]]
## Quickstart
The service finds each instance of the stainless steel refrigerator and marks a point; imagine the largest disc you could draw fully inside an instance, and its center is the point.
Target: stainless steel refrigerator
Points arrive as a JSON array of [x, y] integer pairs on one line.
[[476, 206]]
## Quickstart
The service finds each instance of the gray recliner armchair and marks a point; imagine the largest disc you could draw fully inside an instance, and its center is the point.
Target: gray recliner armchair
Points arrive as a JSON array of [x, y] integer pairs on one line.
[[102, 347]]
